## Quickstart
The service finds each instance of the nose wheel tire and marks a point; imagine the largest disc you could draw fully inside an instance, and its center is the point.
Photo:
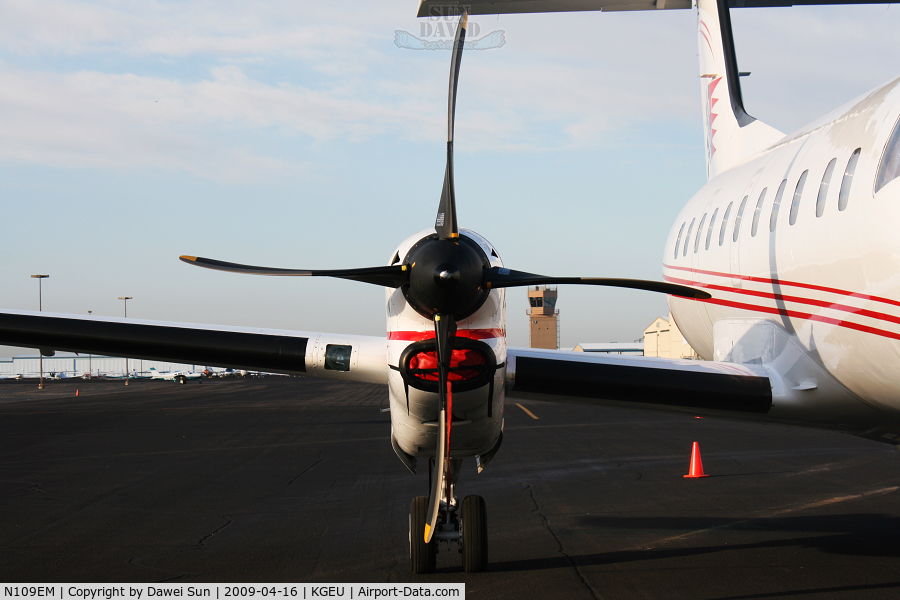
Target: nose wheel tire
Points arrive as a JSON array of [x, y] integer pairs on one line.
[[422, 556], [474, 534]]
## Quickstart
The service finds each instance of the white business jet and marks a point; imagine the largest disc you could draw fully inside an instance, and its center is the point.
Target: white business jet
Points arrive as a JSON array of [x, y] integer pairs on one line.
[[782, 272]]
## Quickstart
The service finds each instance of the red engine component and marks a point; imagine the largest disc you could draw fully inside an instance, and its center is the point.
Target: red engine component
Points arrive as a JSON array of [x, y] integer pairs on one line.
[[424, 365], [472, 365]]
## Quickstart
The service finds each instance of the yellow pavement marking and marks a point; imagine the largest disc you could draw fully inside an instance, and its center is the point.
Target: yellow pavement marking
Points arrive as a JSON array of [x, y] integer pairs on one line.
[[527, 412]]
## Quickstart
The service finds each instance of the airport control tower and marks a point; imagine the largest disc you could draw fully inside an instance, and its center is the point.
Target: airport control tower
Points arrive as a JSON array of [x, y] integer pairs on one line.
[[543, 324]]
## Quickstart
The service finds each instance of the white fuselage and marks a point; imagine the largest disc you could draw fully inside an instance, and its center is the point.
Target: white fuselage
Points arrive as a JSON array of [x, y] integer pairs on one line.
[[414, 413], [824, 283]]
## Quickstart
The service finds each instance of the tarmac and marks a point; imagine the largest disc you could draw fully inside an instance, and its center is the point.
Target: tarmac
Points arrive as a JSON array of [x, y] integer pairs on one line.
[[294, 479]]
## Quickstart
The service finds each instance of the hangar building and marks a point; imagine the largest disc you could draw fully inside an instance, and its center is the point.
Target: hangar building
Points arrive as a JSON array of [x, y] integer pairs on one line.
[[66, 364], [663, 339]]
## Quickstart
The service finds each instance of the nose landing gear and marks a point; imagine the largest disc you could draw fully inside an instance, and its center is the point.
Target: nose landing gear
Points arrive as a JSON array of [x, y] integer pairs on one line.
[[465, 524]]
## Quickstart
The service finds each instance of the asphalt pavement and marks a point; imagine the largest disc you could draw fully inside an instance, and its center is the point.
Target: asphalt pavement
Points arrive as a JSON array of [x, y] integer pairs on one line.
[[294, 479]]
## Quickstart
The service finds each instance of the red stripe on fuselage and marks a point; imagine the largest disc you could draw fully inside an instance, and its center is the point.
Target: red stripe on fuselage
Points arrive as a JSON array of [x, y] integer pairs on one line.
[[784, 282], [806, 316], [475, 334], [795, 299], [785, 298]]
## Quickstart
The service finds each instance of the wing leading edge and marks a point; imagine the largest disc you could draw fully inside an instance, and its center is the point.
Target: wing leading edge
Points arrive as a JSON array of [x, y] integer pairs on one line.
[[354, 357]]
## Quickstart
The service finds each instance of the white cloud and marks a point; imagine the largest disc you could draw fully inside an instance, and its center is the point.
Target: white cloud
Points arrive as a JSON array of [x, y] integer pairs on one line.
[[92, 119], [222, 28], [565, 80], [36, 27]]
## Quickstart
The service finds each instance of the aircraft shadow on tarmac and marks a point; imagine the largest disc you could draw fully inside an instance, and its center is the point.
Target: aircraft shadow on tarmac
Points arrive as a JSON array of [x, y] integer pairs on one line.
[[859, 534], [852, 535], [868, 535], [811, 591]]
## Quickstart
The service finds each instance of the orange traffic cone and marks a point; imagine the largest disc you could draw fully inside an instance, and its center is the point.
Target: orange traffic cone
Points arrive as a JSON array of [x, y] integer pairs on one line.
[[696, 464], [76, 392]]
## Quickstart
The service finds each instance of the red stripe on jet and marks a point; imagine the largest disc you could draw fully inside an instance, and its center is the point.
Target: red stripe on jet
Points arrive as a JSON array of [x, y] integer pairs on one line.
[[796, 299], [805, 316], [784, 282], [475, 334]]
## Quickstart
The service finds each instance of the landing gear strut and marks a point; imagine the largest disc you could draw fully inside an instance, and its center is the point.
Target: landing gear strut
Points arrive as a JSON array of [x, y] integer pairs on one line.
[[465, 524]]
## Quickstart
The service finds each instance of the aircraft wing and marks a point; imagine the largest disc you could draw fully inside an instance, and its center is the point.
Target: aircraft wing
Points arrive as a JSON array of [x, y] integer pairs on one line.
[[430, 8], [698, 387], [552, 375], [338, 356]]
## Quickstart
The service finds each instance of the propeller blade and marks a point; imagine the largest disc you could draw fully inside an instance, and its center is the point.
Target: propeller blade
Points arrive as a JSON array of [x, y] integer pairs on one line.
[[444, 330], [459, 41], [393, 277], [437, 480], [445, 223], [503, 278]]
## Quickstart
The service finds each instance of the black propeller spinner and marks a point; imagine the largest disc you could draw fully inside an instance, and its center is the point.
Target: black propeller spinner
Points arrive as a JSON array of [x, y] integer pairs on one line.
[[445, 278]]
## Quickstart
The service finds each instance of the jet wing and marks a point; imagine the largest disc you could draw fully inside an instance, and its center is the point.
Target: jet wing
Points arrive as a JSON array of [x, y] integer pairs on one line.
[[697, 387], [432, 8], [338, 356]]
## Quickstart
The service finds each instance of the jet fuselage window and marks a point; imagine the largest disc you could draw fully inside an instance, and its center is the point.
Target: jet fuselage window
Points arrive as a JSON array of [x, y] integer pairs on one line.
[[710, 230], [823, 188], [678, 241], [337, 357], [687, 238], [798, 193], [757, 212], [699, 233], [737, 219], [889, 168], [844, 196], [773, 220], [724, 223]]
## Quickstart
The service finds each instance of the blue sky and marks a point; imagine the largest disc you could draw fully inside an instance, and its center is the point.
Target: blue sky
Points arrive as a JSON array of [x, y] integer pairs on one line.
[[299, 135]]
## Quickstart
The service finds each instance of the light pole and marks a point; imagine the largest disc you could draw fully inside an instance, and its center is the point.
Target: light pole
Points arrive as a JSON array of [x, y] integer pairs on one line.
[[126, 299], [90, 356], [40, 309]]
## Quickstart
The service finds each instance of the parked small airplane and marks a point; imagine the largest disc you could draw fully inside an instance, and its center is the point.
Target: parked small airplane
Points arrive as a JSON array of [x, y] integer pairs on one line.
[[798, 321], [179, 376]]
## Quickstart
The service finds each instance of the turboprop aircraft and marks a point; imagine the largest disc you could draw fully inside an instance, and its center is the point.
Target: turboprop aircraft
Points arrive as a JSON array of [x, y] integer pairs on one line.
[[795, 310]]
